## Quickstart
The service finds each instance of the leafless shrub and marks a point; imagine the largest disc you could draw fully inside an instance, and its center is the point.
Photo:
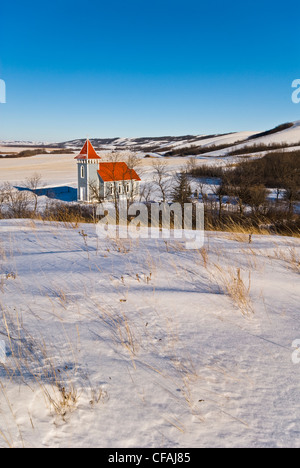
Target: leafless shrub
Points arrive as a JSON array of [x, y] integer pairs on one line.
[[18, 203]]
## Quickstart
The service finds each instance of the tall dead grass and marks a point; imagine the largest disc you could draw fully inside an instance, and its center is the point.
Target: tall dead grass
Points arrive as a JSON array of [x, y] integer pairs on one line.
[[230, 282], [291, 257]]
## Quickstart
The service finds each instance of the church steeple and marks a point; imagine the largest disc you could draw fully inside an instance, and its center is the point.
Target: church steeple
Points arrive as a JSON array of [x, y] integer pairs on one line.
[[88, 163], [88, 152]]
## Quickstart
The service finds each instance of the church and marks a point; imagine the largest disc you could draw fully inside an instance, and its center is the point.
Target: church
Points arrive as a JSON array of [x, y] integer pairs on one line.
[[107, 181]]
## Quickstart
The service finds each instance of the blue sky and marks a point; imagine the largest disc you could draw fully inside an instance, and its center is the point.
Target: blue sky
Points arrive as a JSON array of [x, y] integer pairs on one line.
[[146, 68]]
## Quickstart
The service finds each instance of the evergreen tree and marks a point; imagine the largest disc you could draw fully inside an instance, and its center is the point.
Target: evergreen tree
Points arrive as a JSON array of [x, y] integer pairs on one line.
[[182, 190]]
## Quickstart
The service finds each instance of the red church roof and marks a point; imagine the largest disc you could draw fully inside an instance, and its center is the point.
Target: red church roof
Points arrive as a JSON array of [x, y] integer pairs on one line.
[[88, 152], [116, 171]]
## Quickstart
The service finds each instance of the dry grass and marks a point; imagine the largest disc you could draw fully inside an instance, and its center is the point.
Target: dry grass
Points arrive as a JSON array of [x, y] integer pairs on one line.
[[97, 396], [230, 282], [30, 360], [291, 256], [240, 237], [121, 329], [242, 232], [204, 255], [63, 400]]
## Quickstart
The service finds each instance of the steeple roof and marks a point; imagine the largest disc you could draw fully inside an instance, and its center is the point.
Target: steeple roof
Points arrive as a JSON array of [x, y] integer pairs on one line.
[[88, 152]]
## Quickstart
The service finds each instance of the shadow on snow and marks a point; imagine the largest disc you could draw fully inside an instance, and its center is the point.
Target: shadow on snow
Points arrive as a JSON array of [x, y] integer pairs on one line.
[[63, 193]]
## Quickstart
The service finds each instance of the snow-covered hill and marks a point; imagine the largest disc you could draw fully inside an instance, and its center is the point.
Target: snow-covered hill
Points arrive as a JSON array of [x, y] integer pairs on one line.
[[159, 144], [289, 137], [287, 134]]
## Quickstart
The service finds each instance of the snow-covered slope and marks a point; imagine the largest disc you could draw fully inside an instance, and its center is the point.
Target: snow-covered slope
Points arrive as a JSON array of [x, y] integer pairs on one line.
[[288, 137], [161, 145], [146, 344]]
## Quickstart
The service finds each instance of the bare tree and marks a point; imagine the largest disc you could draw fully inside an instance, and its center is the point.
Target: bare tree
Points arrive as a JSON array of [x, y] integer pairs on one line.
[[3, 198], [95, 192], [34, 183], [134, 164], [191, 165], [201, 185], [220, 191], [115, 156], [257, 198], [145, 193], [161, 178], [291, 192], [133, 161]]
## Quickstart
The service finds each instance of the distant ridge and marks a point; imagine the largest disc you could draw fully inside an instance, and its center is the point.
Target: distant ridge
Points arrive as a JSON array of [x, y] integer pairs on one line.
[[287, 134]]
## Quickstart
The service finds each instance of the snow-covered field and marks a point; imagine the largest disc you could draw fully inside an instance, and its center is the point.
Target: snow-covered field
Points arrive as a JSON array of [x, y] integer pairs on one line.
[[58, 169], [141, 343]]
